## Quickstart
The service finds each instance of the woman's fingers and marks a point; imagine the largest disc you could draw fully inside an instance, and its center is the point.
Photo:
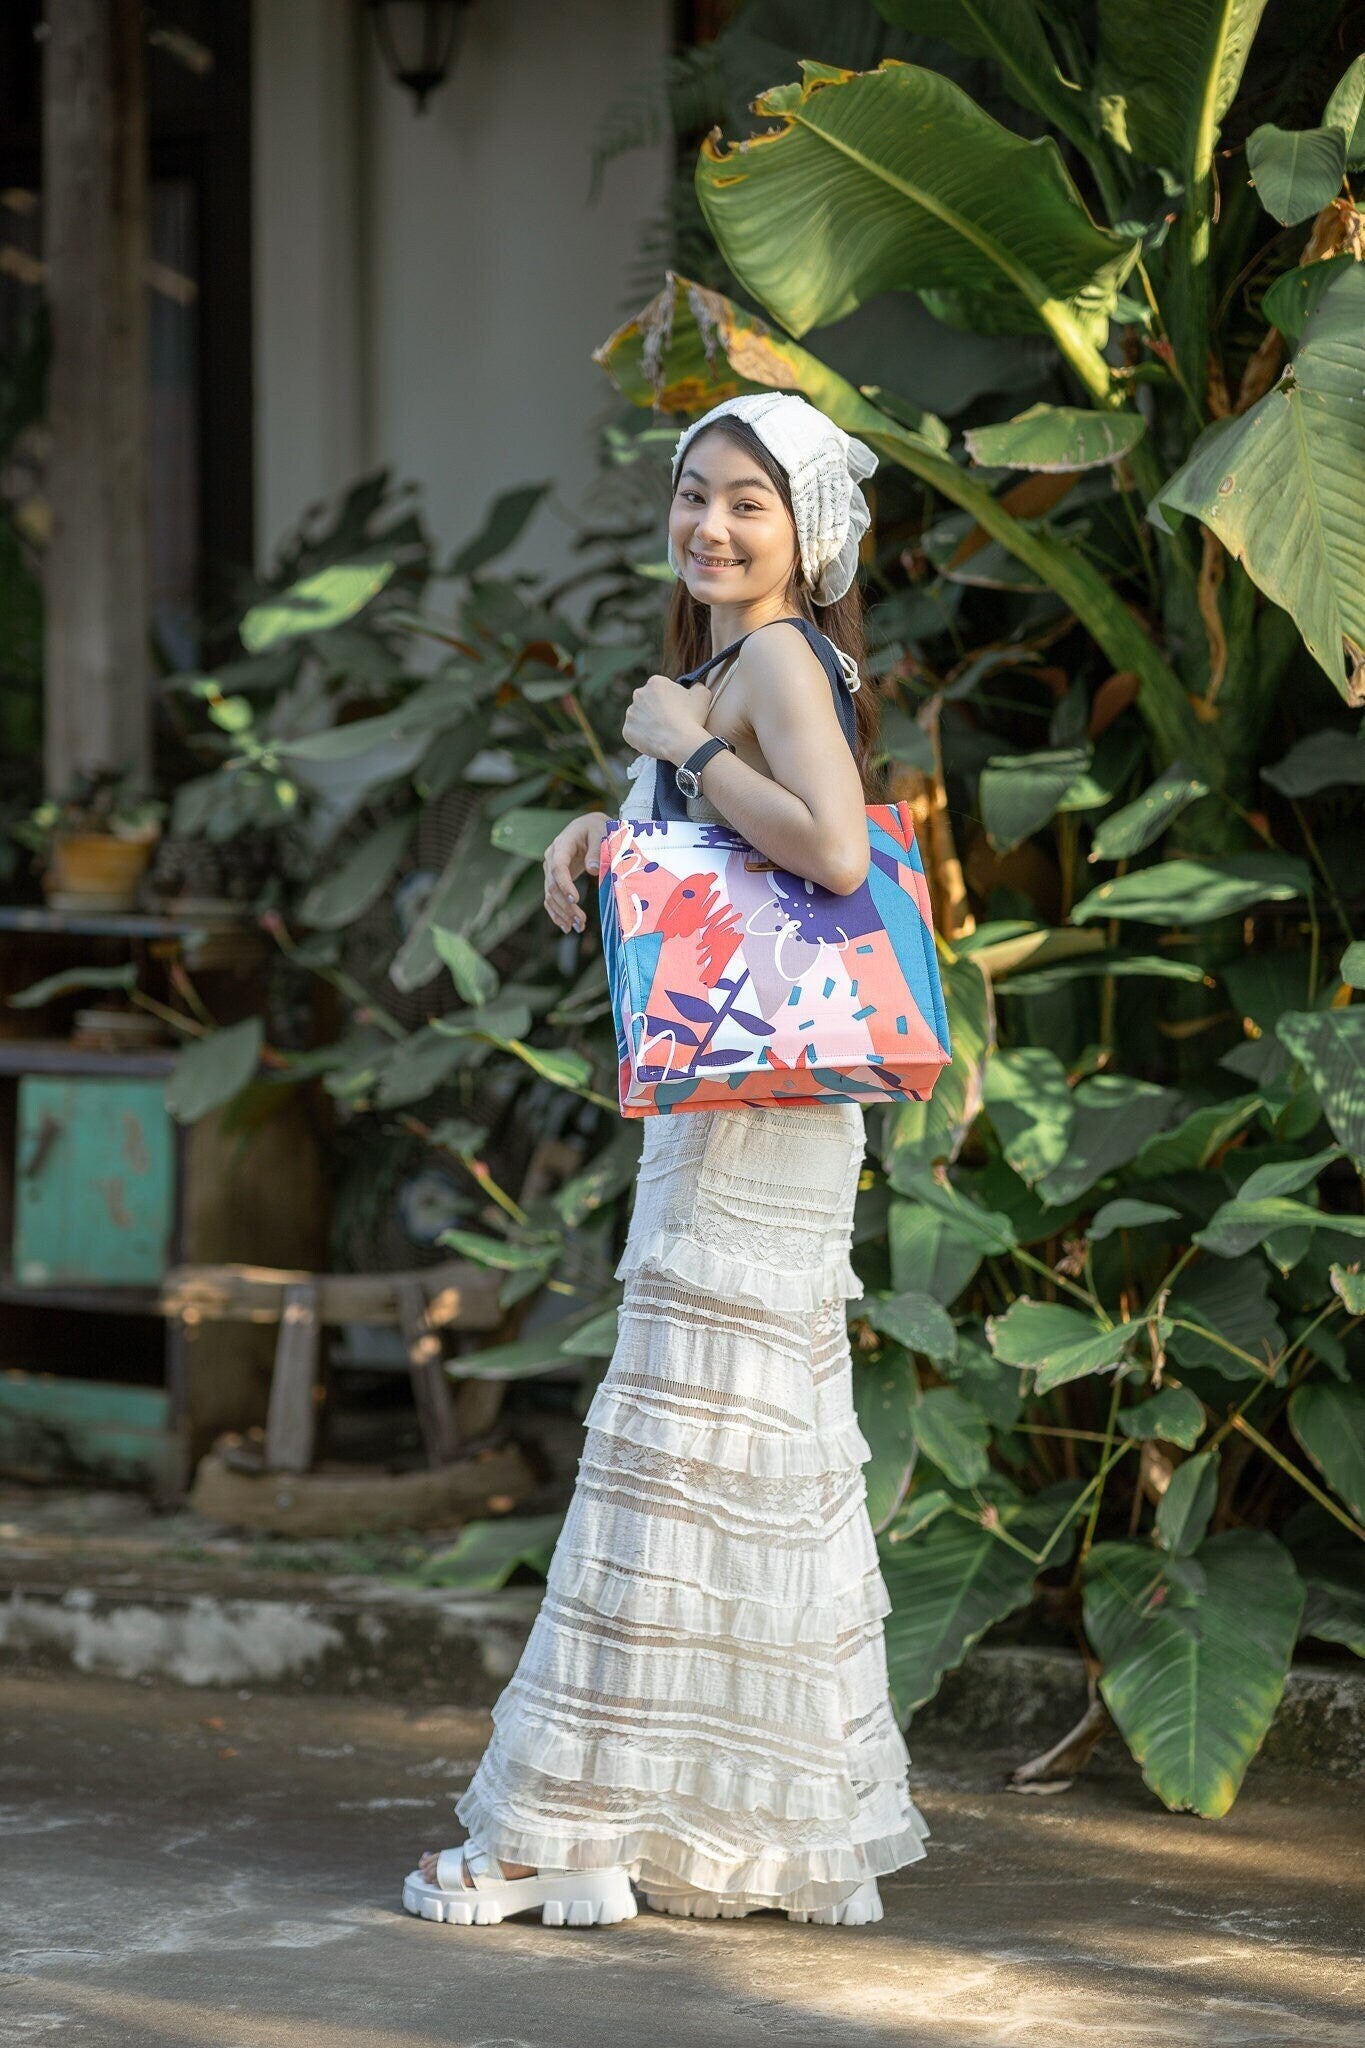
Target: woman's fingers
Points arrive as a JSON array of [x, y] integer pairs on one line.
[[561, 897]]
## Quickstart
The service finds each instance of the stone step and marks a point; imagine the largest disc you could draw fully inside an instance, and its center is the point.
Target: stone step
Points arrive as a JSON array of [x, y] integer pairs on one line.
[[220, 1625]]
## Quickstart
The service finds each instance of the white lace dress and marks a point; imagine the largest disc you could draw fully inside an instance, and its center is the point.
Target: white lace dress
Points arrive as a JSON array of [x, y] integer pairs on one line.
[[703, 1696]]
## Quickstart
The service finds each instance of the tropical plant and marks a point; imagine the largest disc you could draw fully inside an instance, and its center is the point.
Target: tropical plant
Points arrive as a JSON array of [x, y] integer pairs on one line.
[[1114, 1266]]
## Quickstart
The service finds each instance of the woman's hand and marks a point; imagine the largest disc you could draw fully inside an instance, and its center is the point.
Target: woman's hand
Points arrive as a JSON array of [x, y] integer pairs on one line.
[[662, 720], [571, 853]]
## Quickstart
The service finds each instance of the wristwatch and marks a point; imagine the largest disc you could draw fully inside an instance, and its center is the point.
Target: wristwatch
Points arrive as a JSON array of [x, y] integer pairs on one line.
[[688, 776]]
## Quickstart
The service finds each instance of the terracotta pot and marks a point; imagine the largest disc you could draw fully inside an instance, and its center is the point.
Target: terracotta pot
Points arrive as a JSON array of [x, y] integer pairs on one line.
[[95, 871]]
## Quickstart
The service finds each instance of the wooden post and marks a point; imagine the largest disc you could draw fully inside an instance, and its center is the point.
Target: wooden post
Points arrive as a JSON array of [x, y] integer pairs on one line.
[[430, 1388], [290, 1419], [97, 660]]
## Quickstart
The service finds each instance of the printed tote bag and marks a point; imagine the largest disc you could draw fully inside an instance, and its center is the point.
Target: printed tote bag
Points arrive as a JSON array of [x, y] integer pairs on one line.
[[735, 981]]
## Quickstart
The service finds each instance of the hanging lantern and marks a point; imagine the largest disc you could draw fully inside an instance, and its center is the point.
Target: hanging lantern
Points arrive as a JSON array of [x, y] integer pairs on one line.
[[417, 41]]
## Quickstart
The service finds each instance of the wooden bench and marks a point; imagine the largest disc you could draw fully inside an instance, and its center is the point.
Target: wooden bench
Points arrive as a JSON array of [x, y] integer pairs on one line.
[[453, 1295]]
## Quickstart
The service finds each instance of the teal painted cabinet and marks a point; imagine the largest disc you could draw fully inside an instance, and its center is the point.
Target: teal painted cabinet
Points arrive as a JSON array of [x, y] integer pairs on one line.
[[96, 1182]]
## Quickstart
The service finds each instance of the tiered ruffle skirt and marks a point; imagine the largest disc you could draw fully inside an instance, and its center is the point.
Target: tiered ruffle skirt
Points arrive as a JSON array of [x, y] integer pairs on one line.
[[703, 1695]]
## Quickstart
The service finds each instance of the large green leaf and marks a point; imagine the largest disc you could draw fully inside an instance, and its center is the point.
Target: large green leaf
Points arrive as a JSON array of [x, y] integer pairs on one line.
[[952, 1580], [528, 832], [1056, 439], [502, 527], [985, 1230], [411, 1070], [609, 1174], [915, 1320], [314, 604], [1237, 1225], [211, 1070], [1174, 1415], [884, 1397], [1122, 966], [895, 180], [952, 1431], [433, 708], [1326, 759], [1020, 792], [1330, 1424], [476, 979], [1349, 1283], [1334, 1610], [1296, 171], [1127, 831], [1330, 1561], [1197, 891], [597, 1338], [920, 1132], [1164, 84], [1028, 1099], [339, 898], [1228, 1299], [1195, 1689], [69, 979], [1191, 1144], [1114, 1114], [523, 1357], [1292, 300], [485, 1554], [1060, 1343], [1330, 1044], [1283, 486], [928, 1251], [1009, 31], [1183, 1512], [1127, 1212], [475, 881], [1346, 110]]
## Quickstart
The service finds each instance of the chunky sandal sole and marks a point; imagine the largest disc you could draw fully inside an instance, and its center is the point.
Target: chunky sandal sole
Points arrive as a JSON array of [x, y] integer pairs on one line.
[[578, 1898], [859, 1910], [697, 1905]]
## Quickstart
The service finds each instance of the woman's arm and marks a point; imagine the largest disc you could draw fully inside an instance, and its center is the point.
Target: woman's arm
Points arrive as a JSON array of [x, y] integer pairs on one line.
[[809, 815]]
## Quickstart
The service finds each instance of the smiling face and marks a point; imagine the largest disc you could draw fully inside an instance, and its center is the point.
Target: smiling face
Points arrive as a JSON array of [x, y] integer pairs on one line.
[[729, 527]]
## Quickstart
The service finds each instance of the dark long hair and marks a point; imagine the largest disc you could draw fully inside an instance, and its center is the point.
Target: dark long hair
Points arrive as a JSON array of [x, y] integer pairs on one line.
[[687, 630]]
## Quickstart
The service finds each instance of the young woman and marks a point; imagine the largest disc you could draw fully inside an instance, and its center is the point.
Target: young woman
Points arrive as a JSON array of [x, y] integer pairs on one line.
[[702, 1703]]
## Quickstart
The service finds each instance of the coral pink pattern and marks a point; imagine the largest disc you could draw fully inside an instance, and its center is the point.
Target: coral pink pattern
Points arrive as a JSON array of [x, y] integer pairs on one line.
[[737, 982]]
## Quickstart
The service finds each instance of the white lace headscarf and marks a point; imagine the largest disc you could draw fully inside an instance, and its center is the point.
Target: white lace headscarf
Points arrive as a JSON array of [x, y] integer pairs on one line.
[[824, 467]]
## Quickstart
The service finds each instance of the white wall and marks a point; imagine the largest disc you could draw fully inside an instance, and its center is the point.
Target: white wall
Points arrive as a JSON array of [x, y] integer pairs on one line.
[[430, 288]]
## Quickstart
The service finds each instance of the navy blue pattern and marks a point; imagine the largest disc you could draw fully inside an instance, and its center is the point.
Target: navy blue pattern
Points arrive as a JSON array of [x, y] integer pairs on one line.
[[669, 801]]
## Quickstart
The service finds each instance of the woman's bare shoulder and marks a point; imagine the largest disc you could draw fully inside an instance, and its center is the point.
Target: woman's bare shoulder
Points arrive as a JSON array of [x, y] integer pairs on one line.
[[778, 656]]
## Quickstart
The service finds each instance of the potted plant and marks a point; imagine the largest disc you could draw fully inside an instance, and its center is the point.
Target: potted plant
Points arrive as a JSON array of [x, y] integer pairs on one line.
[[95, 843]]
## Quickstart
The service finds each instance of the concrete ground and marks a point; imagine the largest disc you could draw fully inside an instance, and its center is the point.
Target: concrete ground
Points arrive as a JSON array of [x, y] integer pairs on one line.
[[222, 1870]]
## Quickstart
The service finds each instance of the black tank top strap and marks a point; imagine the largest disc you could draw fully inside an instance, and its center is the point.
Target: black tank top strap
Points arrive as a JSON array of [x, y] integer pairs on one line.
[[669, 801]]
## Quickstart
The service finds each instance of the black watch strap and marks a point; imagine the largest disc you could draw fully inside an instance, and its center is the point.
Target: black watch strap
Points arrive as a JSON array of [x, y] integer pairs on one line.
[[686, 774]]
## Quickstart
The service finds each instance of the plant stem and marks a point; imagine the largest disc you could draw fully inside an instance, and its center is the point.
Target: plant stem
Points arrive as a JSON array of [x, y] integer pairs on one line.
[[1323, 1499], [1199, 1330], [167, 1015], [1089, 1535], [1027, 1259], [1322, 868], [577, 712]]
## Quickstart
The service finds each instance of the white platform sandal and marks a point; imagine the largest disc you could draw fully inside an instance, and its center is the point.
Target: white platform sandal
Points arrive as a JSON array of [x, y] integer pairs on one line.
[[860, 1909], [567, 1898]]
